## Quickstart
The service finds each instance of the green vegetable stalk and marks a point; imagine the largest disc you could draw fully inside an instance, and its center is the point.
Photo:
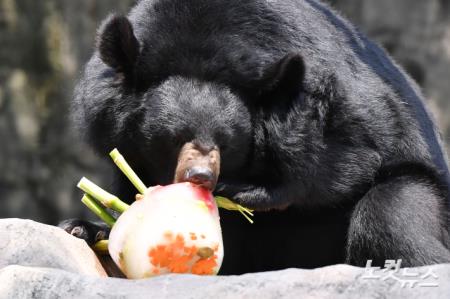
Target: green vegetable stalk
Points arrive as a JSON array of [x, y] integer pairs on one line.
[[107, 199], [98, 210], [120, 161], [227, 204], [101, 247]]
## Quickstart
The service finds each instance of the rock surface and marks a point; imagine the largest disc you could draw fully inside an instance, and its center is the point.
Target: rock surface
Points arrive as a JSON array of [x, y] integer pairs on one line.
[[340, 281], [28, 243], [41, 261]]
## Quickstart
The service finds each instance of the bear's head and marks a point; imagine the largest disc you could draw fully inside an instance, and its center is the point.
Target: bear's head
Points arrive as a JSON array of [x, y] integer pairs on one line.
[[186, 127]]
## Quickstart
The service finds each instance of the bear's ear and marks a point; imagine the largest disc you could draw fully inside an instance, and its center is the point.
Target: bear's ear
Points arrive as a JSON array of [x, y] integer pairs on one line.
[[117, 44], [285, 76]]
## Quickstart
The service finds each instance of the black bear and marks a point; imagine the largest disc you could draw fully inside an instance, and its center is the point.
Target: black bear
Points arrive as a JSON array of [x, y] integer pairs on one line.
[[316, 128]]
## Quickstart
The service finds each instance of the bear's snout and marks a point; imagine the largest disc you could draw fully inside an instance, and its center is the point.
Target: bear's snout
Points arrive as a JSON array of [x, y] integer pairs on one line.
[[198, 166], [202, 176]]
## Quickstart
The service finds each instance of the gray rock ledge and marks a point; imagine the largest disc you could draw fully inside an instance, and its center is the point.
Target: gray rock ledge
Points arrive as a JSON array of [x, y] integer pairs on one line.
[[40, 261], [29, 243]]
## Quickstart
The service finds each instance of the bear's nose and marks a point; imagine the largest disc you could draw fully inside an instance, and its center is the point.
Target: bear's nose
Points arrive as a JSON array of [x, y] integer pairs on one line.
[[201, 176]]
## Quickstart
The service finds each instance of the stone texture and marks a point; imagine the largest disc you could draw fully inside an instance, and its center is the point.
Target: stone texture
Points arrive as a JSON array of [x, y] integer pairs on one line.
[[44, 45], [340, 281], [28, 243], [41, 261]]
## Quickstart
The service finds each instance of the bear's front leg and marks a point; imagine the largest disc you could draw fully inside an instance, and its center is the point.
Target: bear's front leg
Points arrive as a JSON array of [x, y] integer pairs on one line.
[[401, 218], [89, 231], [256, 197]]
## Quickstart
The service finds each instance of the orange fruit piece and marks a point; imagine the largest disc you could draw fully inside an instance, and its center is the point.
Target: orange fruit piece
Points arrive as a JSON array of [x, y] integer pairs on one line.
[[205, 266], [160, 256]]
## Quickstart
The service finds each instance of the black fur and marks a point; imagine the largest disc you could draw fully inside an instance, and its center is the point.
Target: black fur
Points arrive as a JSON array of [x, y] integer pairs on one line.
[[318, 128], [117, 45]]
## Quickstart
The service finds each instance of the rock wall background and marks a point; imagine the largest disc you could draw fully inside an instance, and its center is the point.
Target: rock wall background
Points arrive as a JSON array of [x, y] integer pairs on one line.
[[45, 43]]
